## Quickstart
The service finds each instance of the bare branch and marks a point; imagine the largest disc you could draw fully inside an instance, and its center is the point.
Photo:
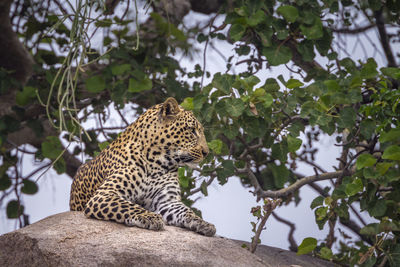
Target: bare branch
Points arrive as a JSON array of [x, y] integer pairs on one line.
[[206, 6], [269, 207], [293, 187], [353, 31], [380, 23], [122, 116], [330, 239], [212, 177], [293, 245]]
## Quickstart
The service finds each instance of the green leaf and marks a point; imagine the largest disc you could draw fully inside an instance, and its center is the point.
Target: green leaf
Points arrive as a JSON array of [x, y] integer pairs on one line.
[[307, 246], [306, 49], [370, 229], [277, 55], [321, 213], [5, 182], [256, 18], [229, 167], [318, 201], [354, 187], [326, 253], [332, 85], [388, 226], [216, 146], [120, 69], [103, 145], [369, 71], [59, 166], [177, 33], [28, 93], [347, 118], [393, 73], [187, 103], [349, 65], [367, 128], [234, 106], [342, 211], [370, 173], [227, 170], [378, 209], [293, 143], [242, 11], [95, 84], [365, 160], [391, 135], [260, 95], [203, 188], [14, 209], [293, 83], [267, 100], [103, 23], [136, 86], [29, 187], [383, 167], [280, 174], [236, 32], [249, 82], [392, 153], [314, 31], [280, 151], [259, 92], [223, 82], [183, 179], [338, 193], [265, 36], [376, 228], [52, 148], [290, 13], [271, 85], [199, 101]]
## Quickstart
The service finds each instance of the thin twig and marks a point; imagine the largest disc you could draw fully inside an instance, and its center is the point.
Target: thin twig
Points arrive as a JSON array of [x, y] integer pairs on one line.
[[212, 178], [293, 245], [269, 207], [122, 116]]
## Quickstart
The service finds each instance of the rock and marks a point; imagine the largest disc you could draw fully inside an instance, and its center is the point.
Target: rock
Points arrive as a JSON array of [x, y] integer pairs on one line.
[[71, 239]]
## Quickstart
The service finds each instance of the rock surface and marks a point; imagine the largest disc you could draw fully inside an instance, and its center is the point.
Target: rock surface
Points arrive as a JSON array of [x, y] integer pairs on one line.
[[70, 239]]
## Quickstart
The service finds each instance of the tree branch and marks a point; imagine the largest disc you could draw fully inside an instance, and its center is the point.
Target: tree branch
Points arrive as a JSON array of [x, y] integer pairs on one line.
[[196, 190], [13, 55], [350, 224], [307, 66], [380, 23], [293, 187], [293, 245], [268, 208], [352, 31], [206, 6]]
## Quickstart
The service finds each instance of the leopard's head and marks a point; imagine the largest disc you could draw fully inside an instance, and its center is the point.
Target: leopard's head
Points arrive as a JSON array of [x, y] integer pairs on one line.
[[181, 134]]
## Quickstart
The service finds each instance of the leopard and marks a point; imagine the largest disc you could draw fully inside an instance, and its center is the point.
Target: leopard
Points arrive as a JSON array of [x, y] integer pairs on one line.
[[134, 180]]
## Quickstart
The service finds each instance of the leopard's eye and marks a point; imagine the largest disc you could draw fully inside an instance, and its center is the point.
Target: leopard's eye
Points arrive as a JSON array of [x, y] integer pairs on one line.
[[194, 131]]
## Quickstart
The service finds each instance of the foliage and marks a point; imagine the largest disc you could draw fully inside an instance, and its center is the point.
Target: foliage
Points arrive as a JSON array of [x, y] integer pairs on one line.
[[259, 128]]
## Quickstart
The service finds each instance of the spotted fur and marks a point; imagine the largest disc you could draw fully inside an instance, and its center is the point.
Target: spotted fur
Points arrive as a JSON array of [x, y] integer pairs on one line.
[[135, 179]]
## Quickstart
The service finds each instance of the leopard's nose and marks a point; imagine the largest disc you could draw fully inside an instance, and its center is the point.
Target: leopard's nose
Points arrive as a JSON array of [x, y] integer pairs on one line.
[[204, 151]]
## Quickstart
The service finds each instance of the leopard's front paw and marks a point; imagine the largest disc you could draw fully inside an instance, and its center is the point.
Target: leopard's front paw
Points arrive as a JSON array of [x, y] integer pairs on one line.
[[200, 226], [207, 229], [150, 221]]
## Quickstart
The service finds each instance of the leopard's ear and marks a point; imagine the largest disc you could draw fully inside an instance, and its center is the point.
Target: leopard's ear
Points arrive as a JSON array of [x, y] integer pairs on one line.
[[170, 108]]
